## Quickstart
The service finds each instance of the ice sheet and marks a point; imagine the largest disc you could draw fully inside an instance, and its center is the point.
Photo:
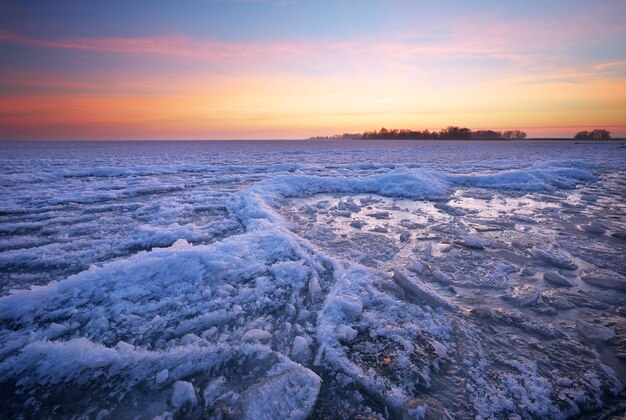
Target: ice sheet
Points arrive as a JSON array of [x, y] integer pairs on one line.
[[398, 280]]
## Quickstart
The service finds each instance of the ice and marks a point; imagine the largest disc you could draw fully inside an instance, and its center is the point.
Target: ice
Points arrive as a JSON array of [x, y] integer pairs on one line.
[[553, 258], [357, 224], [605, 278], [594, 227], [473, 242], [345, 304], [213, 390], [570, 298], [523, 295], [345, 334], [183, 396], [421, 291], [349, 205], [290, 394], [557, 279], [442, 277], [162, 376], [545, 177], [300, 349], [408, 278], [257, 335], [440, 349], [417, 266], [594, 331]]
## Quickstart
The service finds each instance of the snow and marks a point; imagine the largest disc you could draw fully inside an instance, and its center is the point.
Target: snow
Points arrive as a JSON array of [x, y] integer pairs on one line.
[[202, 282]]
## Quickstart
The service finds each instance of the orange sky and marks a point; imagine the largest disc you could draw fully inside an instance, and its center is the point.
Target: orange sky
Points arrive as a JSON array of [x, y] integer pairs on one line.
[[549, 81]]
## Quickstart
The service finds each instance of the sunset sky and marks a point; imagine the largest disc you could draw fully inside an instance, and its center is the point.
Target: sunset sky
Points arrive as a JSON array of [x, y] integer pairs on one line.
[[220, 69]]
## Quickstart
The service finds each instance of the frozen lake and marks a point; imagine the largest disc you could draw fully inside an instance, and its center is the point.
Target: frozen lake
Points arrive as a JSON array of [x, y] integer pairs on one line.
[[339, 279]]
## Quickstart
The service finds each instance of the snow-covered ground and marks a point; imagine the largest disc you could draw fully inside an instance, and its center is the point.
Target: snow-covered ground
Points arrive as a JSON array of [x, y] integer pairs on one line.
[[313, 279]]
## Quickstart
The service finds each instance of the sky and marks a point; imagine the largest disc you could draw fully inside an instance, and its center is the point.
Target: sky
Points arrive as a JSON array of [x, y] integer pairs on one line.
[[290, 69]]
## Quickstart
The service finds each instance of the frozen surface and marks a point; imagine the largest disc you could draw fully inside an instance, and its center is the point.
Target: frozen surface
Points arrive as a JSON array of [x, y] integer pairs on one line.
[[323, 280]]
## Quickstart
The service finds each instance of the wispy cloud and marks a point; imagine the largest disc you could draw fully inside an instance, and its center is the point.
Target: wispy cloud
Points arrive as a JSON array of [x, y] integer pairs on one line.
[[364, 51], [611, 65], [174, 45]]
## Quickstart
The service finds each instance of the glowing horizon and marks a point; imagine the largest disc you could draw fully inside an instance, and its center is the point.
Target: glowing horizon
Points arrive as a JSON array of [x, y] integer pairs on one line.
[[293, 69]]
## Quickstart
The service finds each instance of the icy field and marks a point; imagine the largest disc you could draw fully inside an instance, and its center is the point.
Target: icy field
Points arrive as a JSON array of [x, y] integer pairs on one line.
[[309, 279]]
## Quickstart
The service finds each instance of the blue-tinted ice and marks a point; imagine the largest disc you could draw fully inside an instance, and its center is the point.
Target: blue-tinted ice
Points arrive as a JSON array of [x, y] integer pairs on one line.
[[324, 280]]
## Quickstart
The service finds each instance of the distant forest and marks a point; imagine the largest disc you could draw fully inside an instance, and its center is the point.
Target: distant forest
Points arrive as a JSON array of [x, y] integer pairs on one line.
[[450, 133], [597, 134], [454, 133]]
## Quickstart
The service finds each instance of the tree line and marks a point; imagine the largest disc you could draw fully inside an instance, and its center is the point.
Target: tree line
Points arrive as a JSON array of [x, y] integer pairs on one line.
[[449, 133], [454, 133], [597, 134]]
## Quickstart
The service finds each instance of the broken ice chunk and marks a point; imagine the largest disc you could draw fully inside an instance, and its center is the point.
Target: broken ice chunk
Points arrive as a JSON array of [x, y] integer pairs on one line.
[[345, 334], [569, 299], [379, 229], [379, 215], [319, 355], [166, 415], [553, 258], [348, 205], [321, 234], [300, 349], [181, 244], [214, 389], [290, 394], [314, 288], [523, 295], [473, 242], [605, 278], [555, 278], [619, 235], [594, 331], [162, 376], [105, 414], [442, 277], [257, 335], [183, 396], [368, 200], [307, 209], [357, 224], [594, 227], [589, 197], [348, 305], [440, 349], [447, 208], [413, 285], [417, 266]]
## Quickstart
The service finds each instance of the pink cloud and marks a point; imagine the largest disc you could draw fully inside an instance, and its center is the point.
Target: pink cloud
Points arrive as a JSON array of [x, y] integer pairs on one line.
[[611, 65], [173, 45]]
